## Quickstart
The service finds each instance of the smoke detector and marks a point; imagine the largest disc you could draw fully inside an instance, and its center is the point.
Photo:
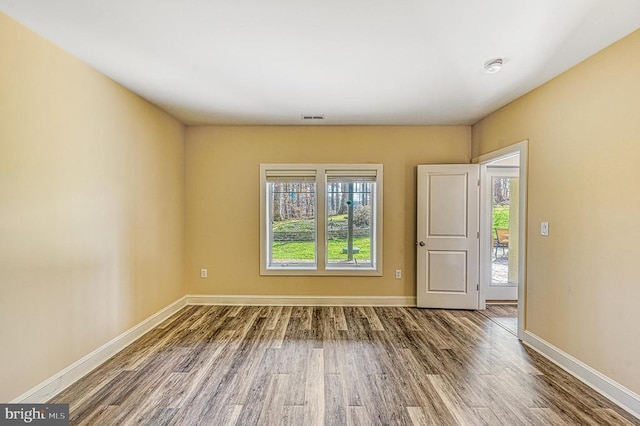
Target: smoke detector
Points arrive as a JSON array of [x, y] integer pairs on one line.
[[493, 66]]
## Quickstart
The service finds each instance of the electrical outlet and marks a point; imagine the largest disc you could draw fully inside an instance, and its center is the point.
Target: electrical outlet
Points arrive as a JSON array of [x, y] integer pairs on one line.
[[203, 273], [398, 274]]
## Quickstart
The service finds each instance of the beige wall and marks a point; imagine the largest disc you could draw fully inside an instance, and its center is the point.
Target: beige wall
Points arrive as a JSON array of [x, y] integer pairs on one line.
[[584, 145], [91, 209], [223, 200], [92, 197]]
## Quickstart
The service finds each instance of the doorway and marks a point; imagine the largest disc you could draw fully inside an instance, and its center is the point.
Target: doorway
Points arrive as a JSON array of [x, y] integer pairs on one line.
[[455, 243], [502, 236]]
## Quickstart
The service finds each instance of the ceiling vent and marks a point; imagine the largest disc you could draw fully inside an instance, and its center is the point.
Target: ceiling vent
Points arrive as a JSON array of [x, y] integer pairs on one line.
[[312, 117]]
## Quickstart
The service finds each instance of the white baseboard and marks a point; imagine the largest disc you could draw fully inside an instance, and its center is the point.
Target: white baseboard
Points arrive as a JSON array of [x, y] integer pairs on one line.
[[60, 381], [625, 398], [194, 299]]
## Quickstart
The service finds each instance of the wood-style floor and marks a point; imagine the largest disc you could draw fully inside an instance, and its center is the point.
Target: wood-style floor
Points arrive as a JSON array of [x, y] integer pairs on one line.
[[504, 314], [220, 365]]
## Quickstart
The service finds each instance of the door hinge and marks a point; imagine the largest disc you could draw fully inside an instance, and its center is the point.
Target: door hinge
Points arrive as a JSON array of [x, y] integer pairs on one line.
[[477, 287], [478, 182], [478, 234]]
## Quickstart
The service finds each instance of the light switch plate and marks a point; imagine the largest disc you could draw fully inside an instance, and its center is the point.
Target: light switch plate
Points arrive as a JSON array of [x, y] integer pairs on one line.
[[544, 228]]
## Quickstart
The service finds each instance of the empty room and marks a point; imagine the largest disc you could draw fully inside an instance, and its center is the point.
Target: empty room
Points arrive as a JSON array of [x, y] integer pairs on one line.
[[253, 213]]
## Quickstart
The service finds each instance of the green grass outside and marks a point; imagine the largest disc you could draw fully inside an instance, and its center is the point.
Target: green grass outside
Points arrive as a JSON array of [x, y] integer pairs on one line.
[[501, 217], [294, 225], [304, 250]]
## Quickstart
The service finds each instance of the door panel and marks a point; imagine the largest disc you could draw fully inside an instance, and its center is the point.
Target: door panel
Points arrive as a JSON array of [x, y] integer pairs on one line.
[[447, 249], [448, 190], [448, 271]]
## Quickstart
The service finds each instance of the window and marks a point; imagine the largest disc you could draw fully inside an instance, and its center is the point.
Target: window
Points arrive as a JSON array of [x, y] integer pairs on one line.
[[321, 219]]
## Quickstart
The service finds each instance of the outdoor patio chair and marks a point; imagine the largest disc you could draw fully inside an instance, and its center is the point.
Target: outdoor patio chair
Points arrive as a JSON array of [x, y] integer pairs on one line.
[[501, 240]]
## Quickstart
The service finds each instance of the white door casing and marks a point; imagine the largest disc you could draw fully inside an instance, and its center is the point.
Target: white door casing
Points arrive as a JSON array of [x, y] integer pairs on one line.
[[447, 236], [521, 149]]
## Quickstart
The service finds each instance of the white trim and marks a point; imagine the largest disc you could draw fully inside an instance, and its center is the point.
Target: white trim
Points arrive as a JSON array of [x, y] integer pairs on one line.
[[267, 300], [507, 151], [60, 381], [521, 148], [625, 398]]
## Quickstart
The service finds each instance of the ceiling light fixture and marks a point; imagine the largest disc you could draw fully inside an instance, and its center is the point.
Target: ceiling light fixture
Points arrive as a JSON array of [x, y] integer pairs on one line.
[[493, 66]]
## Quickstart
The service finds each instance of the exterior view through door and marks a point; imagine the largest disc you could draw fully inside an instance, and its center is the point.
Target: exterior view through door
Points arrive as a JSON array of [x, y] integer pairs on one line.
[[447, 236], [501, 201]]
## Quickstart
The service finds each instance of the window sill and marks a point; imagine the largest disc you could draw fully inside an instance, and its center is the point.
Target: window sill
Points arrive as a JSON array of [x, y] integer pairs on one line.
[[344, 272]]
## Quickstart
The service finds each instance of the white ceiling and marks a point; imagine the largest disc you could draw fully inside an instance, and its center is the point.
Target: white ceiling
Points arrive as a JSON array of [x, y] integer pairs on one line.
[[365, 62]]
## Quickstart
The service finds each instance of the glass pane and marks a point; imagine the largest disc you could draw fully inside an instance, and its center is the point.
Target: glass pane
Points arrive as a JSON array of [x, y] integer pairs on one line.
[[293, 223], [350, 222], [504, 262]]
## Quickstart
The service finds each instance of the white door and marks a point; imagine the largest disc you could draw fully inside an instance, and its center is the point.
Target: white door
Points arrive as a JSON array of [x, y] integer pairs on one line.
[[499, 207], [447, 240]]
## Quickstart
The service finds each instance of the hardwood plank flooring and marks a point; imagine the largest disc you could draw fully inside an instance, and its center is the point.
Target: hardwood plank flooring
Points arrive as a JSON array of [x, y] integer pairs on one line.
[[223, 365], [505, 315]]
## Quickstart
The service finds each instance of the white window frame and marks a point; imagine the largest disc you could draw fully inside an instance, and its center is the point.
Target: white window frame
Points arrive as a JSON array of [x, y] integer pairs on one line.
[[321, 171]]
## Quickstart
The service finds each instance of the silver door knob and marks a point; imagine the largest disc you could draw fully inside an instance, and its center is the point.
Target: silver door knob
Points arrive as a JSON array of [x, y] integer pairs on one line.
[[421, 243]]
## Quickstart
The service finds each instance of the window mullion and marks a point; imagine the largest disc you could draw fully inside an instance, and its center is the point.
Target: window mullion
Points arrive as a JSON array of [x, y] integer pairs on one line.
[[321, 233], [269, 232]]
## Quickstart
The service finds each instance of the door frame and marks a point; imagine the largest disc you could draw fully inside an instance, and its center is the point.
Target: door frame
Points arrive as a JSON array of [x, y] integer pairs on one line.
[[521, 148]]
